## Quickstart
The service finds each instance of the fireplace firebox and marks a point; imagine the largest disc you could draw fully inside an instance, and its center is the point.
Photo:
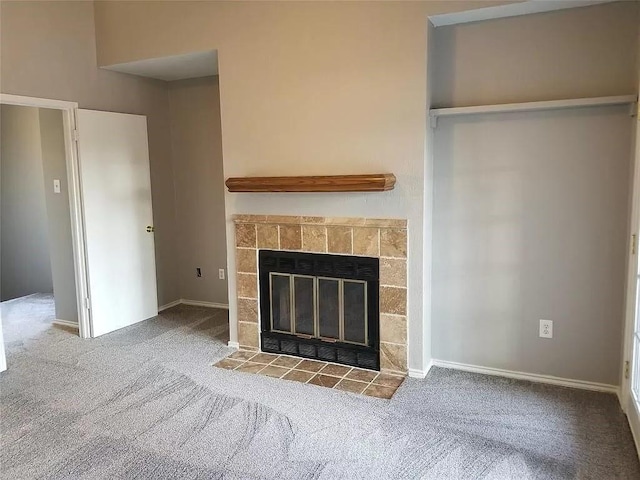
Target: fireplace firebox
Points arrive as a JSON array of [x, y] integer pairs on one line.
[[319, 306]]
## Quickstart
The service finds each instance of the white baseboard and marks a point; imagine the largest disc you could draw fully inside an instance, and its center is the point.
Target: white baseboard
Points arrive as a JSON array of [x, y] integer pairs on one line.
[[65, 323], [417, 373], [169, 305], [194, 303], [235, 345], [532, 377], [198, 303]]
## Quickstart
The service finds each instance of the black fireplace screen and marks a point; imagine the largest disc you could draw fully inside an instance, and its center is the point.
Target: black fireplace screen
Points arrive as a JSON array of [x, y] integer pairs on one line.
[[320, 306]]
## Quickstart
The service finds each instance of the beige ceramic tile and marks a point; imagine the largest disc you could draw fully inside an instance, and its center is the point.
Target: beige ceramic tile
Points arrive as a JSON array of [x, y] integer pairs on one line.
[[250, 367], [393, 300], [267, 236], [246, 260], [299, 376], [245, 348], [393, 242], [388, 380], [246, 235], [290, 237], [247, 285], [247, 310], [240, 218], [339, 240], [361, 375], [351, 386], [265, 358], [272, 371], [393, 271], [335, 370], [248, 334], [313, 220], [324, 381], [393, 357], [379, 391], [350, 221], [386, 222], [393, 329], [229, 364], [310, 365], [366, 241], [241, 355], [288, 362], [290, 219], [314, 238]]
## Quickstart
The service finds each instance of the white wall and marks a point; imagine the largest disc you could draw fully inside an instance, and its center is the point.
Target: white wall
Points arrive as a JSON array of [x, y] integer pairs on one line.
[[25, 263], [199, 185], [58, 214], [530, 209], [530, 223]]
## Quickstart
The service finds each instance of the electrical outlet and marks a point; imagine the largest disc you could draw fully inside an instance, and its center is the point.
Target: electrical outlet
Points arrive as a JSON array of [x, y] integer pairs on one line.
[[546, 328], [198, 272], [221, 274]]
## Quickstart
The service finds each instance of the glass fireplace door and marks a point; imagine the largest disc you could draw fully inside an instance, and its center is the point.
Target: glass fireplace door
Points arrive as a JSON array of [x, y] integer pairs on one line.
[[330, 309]]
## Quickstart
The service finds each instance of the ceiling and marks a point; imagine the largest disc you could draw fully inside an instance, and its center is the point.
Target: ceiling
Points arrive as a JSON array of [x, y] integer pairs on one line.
[[176, 67]]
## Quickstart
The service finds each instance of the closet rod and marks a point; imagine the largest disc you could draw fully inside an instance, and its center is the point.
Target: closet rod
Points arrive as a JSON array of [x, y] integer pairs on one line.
[[533, 106]]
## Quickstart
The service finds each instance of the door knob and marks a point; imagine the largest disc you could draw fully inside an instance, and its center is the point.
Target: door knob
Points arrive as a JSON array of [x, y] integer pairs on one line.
[[150, 229]]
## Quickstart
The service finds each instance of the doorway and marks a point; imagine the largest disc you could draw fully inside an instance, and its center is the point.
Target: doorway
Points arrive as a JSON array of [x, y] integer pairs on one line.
[[54, 215], [630, 395], [37, 286]]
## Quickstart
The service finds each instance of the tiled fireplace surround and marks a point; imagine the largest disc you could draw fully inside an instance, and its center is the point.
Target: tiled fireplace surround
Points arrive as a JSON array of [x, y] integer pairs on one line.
[[385, 239]]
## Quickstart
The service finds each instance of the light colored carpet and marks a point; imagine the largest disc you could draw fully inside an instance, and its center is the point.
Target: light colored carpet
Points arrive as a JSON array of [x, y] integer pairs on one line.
[[26, 317], [145, 403]]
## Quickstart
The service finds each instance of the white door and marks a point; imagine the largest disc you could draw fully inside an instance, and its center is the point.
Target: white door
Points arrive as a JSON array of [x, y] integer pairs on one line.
[[116, 192]]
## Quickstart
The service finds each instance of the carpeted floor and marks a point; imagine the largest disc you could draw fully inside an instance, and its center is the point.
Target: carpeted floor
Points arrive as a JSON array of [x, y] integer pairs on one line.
[[145, 403], [26, 317]]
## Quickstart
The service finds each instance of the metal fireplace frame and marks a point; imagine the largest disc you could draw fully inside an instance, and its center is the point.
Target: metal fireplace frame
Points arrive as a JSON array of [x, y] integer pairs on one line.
[[322, 266]]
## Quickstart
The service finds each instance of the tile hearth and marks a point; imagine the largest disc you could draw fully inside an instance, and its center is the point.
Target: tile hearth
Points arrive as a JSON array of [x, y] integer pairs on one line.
[[330, 375]]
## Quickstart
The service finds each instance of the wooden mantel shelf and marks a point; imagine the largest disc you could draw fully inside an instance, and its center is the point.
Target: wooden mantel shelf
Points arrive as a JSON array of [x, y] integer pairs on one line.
[[375, 182]]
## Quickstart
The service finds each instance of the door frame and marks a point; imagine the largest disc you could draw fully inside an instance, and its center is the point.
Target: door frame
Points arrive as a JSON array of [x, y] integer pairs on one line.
[[626, 395], [69, 115]]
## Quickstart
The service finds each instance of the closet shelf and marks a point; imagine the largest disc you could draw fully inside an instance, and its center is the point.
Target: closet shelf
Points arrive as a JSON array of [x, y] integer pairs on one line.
[[434, 113], [375, 182]]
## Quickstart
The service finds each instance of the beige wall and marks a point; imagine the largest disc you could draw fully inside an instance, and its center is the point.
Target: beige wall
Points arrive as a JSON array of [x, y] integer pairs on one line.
[[583, 52], [58, 214], [199, 188], [48, 50], [341, 87], [306, 88], [24, 242]]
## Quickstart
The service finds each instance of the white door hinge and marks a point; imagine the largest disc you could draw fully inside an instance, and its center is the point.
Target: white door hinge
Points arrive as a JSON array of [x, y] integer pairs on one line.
[[87, 303], [626, 369], [76, 135], [634, 244]]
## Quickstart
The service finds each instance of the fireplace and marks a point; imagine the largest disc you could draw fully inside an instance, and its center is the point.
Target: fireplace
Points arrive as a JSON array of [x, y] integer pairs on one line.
[[364, 239], [320, 306]]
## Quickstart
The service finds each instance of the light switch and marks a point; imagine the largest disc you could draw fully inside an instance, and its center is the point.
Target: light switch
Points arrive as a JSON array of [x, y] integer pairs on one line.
[[56, 186]]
